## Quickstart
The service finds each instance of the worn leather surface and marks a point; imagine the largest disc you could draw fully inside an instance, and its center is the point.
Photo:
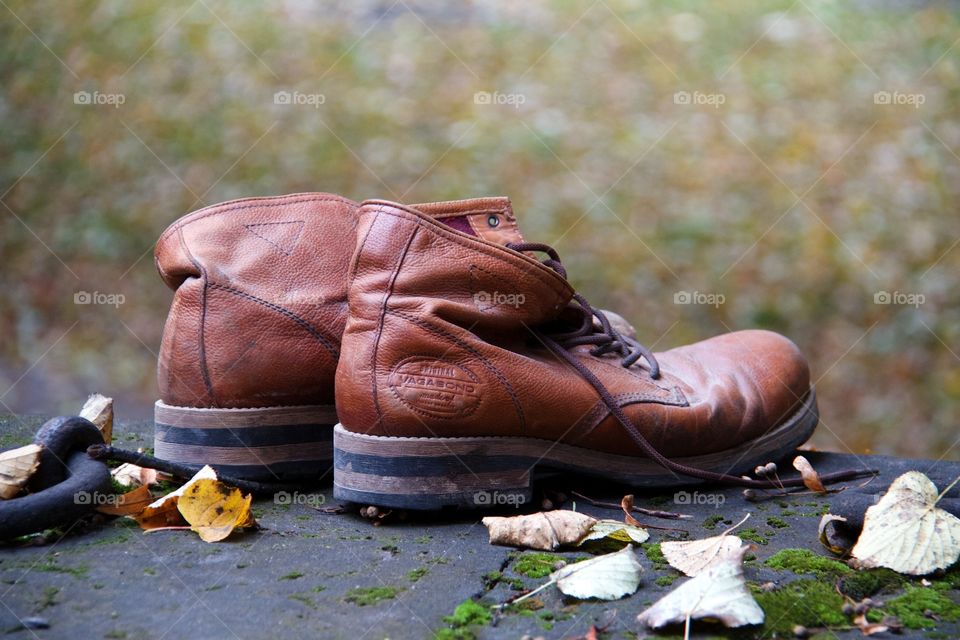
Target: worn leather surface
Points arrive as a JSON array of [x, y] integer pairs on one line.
[[439, 343], [260, 295]]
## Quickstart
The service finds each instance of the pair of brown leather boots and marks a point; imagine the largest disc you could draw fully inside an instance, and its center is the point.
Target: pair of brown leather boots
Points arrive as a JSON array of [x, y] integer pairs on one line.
[[431, 358]]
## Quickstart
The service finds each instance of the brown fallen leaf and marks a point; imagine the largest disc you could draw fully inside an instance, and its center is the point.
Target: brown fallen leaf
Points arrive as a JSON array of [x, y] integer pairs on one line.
[[829, 536], [129, 503], [214, 509], [627, 505], [811, 479], [545, 531], [98, 409], [16, 467]]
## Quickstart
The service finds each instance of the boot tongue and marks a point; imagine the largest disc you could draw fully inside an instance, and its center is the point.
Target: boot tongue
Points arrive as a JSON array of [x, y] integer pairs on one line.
[[489, 219]]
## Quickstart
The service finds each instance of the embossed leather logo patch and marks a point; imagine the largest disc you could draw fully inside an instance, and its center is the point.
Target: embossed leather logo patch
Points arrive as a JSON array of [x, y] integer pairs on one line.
[[437, 388]]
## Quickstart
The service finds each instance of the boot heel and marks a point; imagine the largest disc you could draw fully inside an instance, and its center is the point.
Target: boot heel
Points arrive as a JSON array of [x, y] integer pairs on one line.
[[427, 473], [270, 444]]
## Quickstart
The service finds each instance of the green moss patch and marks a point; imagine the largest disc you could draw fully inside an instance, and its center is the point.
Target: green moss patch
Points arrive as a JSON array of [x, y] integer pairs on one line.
[[365, 596], [864, 584], [293, 575], [665, 581], [753, 536], [804, 561], [417, 573], [654, 554], [811, 603], [712, 521], [911, 606], [467, 614], [539, 565]]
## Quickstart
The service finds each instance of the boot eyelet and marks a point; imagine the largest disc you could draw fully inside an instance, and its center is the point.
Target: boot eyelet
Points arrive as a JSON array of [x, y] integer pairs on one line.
[[493, 221]]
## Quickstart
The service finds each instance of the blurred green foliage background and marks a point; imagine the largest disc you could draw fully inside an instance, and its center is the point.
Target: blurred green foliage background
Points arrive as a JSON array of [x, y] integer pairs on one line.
[[785, 183]]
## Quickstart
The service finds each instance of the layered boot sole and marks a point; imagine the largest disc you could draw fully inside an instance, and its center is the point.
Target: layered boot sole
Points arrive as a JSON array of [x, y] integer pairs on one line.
[[269, 444], [485, 472]]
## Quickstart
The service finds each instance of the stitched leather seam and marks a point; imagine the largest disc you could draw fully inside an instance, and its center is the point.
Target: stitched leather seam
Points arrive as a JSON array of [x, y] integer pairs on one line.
[[266, 239], [204, 213], [596, 416], [201, 333], [309, 328], [463, 345], [380, 324]]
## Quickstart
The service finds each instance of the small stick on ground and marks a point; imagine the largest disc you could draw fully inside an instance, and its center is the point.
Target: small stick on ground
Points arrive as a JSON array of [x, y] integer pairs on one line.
[[653, 513]]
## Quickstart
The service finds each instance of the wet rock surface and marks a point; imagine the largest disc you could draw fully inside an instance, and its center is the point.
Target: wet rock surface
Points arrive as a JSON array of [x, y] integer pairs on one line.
[[310, 574]]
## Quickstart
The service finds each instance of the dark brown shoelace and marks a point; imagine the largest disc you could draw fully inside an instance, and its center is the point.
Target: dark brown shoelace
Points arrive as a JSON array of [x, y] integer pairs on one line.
[[606, 340]]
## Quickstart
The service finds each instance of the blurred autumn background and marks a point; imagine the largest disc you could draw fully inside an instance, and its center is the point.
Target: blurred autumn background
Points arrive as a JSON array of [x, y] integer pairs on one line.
[[775, 164]]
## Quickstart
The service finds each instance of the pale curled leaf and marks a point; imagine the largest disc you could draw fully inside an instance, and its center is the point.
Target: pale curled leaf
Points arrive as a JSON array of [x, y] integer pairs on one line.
[[130, 475], [907, 532], [616, 531], [98, 409], [720, 593], [16, 467], [545, 531], [607, 577], [694, 556], [811, 479]]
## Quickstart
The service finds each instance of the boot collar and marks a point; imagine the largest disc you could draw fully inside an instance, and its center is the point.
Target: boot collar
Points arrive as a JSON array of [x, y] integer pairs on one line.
[[489, 219]]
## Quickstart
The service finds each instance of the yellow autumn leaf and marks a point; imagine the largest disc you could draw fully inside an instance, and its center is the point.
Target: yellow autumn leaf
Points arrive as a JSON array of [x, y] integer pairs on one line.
[[162, 513], [214, 509]]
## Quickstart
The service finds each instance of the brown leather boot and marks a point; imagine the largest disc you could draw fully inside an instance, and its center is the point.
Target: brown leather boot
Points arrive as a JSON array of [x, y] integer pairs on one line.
[[466, 365], [250, 347]]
